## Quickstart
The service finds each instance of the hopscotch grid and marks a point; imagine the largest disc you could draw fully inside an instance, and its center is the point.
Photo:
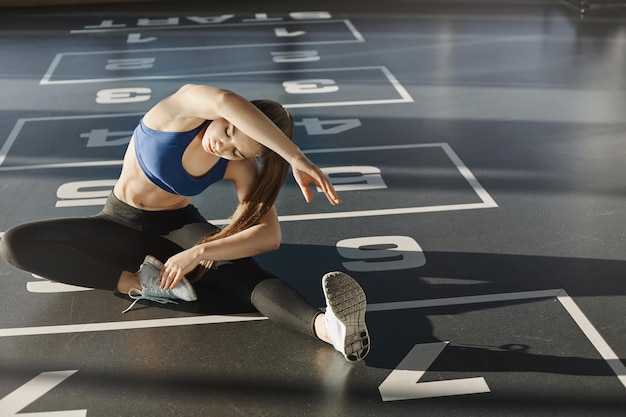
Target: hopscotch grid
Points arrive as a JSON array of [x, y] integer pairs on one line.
[[568, 304], [560, 294]]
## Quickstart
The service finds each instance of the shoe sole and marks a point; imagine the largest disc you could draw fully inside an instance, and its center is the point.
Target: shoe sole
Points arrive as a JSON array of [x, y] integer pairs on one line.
[[158, 264], [154, 261], [346, 299]]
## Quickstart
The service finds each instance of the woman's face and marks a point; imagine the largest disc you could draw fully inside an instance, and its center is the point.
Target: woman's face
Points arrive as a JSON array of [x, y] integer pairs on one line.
[[223, 139]]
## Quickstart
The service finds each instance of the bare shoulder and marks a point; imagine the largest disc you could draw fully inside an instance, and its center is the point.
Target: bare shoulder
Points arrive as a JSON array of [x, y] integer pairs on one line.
[[242, 172], [188, 106], [170, 113]]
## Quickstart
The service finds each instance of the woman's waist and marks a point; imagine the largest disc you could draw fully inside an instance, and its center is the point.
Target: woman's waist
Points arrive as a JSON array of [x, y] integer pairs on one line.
[[144, 195], [160, 221]]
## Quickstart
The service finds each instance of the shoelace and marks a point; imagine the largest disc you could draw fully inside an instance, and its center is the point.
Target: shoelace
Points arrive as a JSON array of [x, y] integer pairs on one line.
[[149, 297]]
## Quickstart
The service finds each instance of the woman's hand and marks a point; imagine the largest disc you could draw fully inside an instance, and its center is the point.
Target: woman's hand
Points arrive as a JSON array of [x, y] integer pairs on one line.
[[177, 267], [305, 173]]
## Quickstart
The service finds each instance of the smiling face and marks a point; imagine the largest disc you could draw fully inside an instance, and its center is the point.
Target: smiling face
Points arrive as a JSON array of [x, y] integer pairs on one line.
[[223, 139]]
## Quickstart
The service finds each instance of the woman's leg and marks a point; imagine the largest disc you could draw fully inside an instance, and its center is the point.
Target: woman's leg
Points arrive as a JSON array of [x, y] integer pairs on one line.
[[102, 251], [89, 252], [270, 295], [342, 325]]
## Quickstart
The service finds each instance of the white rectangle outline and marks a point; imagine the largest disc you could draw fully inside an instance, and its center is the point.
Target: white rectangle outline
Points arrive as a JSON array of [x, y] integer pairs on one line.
[[405, 97], [57, 59], [486, 200], [561, 295]]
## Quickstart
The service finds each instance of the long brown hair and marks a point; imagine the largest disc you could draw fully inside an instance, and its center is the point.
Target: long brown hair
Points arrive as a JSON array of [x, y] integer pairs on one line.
[[266, 187]]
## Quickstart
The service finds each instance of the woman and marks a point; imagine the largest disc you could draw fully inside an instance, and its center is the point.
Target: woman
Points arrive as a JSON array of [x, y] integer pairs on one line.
[[185, 143]]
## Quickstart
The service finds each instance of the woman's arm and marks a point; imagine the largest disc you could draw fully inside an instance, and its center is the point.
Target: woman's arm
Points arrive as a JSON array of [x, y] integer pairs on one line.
[[208, 103], [263, 237], [260, 238]]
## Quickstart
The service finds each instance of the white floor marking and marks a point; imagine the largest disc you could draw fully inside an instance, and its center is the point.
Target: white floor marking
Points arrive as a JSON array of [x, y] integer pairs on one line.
[[63, 165], [194, 320], [471, 299], [33, 390], [201, 26], [594, 336], [403, 382], [127, 325], [47, 287]]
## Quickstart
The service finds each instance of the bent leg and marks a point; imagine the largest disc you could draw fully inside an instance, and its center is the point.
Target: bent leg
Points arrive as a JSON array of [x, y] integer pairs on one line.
[[89, 252]]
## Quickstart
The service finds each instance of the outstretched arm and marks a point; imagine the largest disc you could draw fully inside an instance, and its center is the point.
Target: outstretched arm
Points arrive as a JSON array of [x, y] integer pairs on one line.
[[208, 103]]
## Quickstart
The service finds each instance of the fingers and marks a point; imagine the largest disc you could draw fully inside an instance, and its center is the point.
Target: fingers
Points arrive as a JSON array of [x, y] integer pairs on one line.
[[307, 173], [331, 194], [170, 277], [306, 191], [328, 189]]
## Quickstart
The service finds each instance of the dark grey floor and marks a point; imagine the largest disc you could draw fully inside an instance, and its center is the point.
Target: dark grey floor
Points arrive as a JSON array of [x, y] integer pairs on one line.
[[480, 150]]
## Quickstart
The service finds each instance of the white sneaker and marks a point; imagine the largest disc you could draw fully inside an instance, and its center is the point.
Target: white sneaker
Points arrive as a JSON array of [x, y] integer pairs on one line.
[[151, 290], [345, 315]]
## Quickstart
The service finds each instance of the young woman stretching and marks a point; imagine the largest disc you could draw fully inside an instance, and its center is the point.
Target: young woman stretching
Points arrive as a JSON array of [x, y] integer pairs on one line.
[[185, 143]]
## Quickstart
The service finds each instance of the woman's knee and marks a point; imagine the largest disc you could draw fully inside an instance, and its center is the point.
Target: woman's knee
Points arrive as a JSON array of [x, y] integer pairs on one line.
[[9, 244], [17, 245]]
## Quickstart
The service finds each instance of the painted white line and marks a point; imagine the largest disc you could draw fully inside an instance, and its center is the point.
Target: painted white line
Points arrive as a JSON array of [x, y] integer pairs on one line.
[[385, 212], [196, 48], [195, 320], [16, 401], [64, 165], [204, 26], [53, 65], [467, 174], [594, 336], [347, 103], [403, 382], [128, 325], [11, 139], [394, 81], [355, 32], [471, 299]]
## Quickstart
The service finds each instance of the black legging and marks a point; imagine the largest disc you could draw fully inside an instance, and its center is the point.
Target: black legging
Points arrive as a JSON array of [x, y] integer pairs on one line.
[[94, 251]]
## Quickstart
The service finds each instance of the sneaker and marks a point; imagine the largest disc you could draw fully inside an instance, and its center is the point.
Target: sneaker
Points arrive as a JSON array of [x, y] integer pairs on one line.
[[151, 290], [345, 315]]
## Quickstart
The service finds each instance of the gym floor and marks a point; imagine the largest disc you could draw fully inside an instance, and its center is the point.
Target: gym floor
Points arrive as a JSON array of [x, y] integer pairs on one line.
[[479, 149]]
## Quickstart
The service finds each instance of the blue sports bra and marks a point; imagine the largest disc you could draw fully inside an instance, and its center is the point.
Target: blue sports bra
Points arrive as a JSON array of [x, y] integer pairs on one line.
[[160, 156]]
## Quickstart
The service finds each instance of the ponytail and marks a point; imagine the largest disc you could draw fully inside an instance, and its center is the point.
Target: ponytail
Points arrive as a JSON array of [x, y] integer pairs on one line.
[[267, 185]]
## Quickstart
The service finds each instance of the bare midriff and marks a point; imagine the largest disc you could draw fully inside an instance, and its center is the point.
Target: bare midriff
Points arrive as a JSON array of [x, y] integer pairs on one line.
[[135, 188]]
